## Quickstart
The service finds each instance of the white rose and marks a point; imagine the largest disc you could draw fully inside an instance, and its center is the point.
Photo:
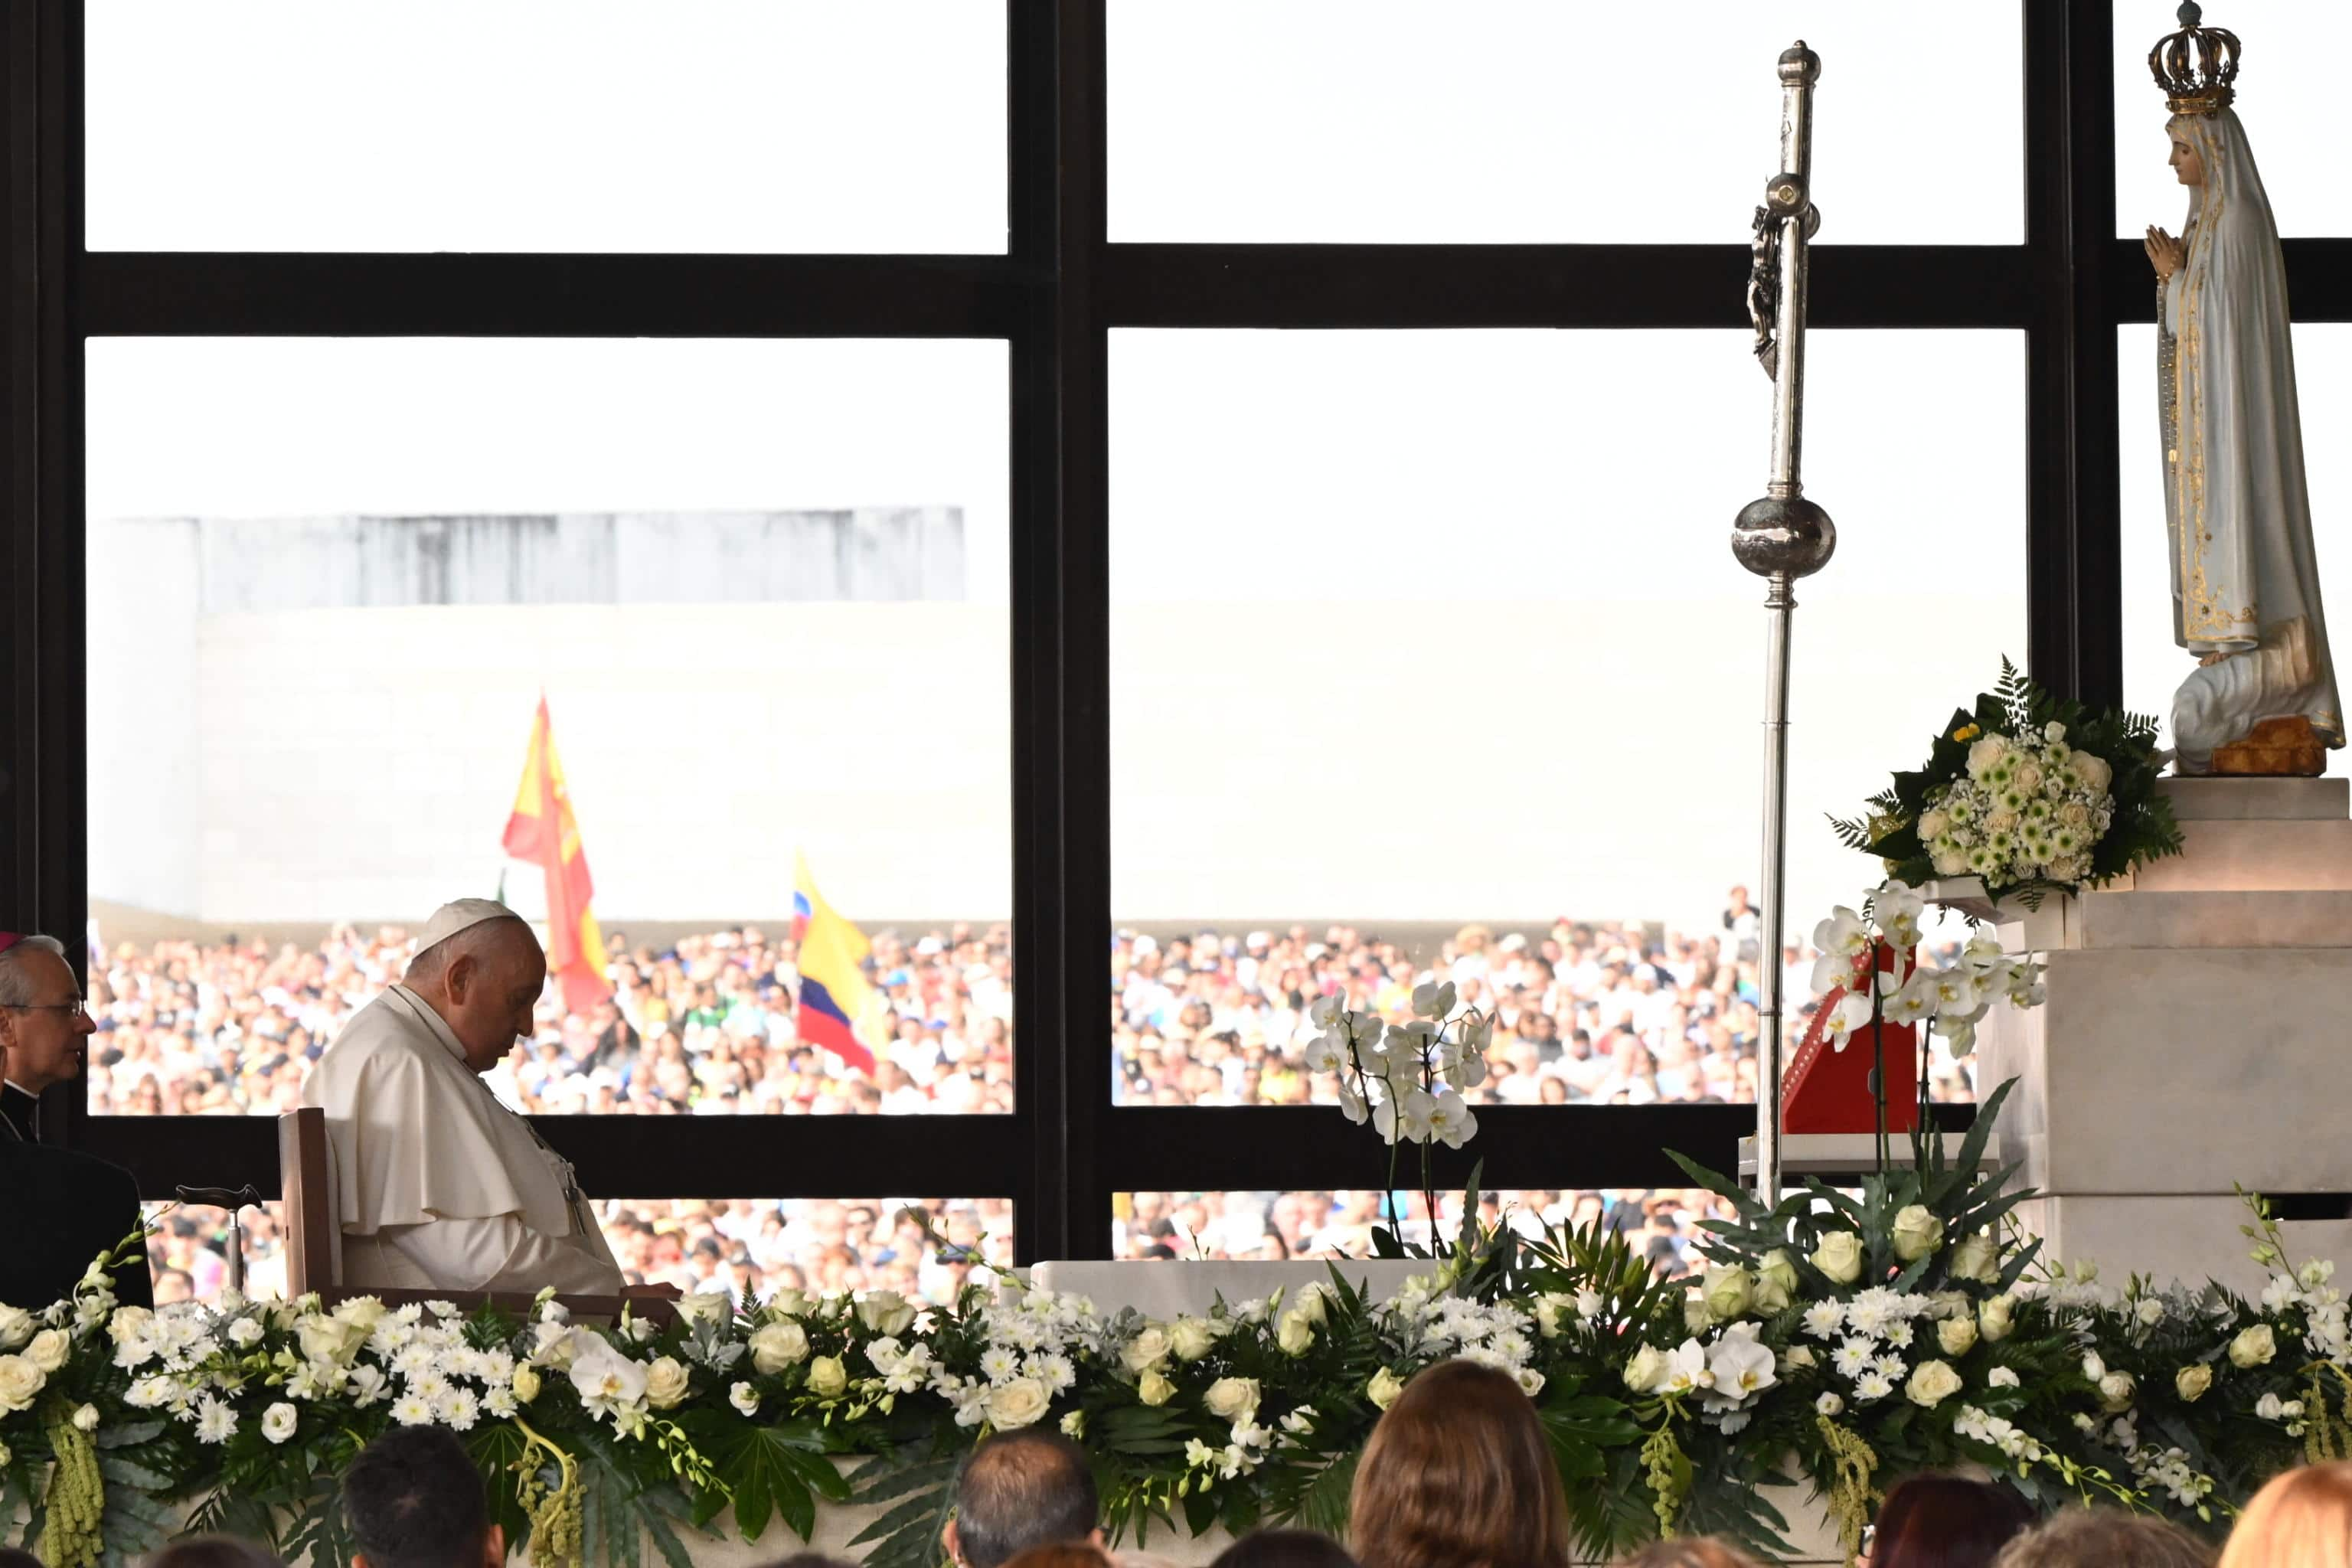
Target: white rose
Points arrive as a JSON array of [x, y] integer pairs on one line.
[[2253, 1348], [705, 1307], [1149, 1348], [128, 1323], [1986, 754], [1829, 1405], [2026, 779], [526, 1382], [1153, 1387], [245, 1333], [1977, 1258], [49, 1350], [86, 1418], [278, 1421], [1729, 1292], [744, 1398], [1017, 1403], [776, 1346], [1074, 1425], [2116, 1391], [2150, 1311], [16, 1327], [788, 1302], [1776, 1281], [361, 1312], [1697, 1319], [20, 1383], [2001, 1378], [1310, 1302], [1646, 1370], [1231, 1398], [828, 1377], [886, 1312], [1799, 1358], [1839, 1257], [1553, 1310], [665, 1383], [1932, 825], [1295, 1334], [1994, 1317], [2191, 1382], [323, 1339], [2269, 1408], [1957, 1335], [1191, 1339], [2094, 772], [2094, 1368], [1918, 1233], [1932, 1382], [1384, 1388], [1949, 860]]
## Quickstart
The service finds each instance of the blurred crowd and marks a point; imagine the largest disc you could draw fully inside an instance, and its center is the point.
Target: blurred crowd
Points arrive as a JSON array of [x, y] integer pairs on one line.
[[1661, 1226], [1586, 1013]]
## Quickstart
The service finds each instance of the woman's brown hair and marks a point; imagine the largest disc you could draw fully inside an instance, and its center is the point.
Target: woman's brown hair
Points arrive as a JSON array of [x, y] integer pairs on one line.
[[1459, 1474], [1946, 1521], [2301, 1520]]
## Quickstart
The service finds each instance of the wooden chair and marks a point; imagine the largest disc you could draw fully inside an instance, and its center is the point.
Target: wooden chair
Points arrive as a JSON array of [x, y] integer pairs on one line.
[[314, 1242]]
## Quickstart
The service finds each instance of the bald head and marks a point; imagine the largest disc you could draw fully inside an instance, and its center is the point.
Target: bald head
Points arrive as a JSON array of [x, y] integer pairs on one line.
[[484, 981]]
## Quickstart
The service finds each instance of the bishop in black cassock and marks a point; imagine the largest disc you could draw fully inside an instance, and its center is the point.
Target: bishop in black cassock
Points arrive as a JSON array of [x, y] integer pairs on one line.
[[63, 1209]]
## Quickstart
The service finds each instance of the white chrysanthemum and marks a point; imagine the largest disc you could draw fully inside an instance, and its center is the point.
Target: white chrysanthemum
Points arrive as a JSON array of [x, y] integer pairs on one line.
[[999, 1363], [215, 1420], [501, 1402], [413, 1410], [1824, 1318], [458, 1409], [1872, 1386]]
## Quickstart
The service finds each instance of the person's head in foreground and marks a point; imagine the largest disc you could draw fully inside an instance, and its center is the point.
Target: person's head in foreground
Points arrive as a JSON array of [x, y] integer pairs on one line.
[[1944, 1521], [1284, 1548], [2301, 1520], [1064, 1554], [1689, 1551], [2104, 1537], [42, 1026], [1459, 1474], [482, 970], [414, 1500], [1021, 1490], [212, 1551]]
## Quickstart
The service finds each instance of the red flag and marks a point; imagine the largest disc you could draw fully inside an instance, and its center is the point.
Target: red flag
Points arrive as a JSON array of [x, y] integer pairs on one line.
[[542, 830]]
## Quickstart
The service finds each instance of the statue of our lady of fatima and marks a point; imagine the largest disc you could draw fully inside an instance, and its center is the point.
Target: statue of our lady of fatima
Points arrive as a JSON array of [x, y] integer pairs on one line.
[[2246, 581]]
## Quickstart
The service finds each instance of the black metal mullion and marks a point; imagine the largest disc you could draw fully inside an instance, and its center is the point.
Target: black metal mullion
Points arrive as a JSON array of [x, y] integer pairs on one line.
[[152, 293], [2318, 281], [1628, 286]]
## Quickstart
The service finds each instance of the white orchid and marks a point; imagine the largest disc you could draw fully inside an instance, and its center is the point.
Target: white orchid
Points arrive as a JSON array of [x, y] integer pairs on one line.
[[1914, 1003], [1403, 1113], [1433, 1000], [1851, 1013], [1449, 1119], [1896, 906]]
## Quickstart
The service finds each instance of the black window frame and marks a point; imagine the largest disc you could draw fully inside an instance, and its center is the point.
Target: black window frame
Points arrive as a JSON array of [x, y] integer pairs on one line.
[[1053, 296]]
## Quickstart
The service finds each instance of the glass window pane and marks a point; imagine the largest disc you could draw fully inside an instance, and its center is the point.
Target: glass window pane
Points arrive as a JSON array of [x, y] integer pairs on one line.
[[331, 581], [729, 125], [2289, 98], [2154, 667], [1272, 1226], [1430, 648], [1500, 120], [764, 1244]]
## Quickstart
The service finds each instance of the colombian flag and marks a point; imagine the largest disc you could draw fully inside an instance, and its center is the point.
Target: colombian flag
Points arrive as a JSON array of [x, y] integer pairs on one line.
[[835, 997], [543, 830]]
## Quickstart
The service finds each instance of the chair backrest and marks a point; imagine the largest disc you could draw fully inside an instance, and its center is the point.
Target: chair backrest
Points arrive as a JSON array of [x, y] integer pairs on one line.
[[306, 1175]]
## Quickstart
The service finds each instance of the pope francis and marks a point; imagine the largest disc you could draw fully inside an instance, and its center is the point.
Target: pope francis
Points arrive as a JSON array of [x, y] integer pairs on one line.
[[439, 1185]]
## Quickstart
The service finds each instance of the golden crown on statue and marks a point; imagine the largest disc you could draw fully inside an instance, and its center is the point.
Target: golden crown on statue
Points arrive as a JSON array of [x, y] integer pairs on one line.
[[2196, 65]]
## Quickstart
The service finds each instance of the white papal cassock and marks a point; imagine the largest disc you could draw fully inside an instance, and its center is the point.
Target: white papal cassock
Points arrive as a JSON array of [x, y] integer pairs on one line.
[[440, 1187]]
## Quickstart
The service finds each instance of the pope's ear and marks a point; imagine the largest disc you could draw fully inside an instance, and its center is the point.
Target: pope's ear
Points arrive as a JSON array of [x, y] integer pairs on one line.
[[457, 976]]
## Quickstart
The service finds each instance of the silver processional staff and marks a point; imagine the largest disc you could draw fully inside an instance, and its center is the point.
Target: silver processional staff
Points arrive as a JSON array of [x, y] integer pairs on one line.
[[1780, 537]]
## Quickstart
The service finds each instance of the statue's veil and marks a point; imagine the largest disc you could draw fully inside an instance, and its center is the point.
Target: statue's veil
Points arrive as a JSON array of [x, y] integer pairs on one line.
[[2245, 574]]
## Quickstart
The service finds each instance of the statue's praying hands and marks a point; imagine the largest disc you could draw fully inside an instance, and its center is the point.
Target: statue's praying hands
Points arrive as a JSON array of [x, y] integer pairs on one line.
[[2165, 253]]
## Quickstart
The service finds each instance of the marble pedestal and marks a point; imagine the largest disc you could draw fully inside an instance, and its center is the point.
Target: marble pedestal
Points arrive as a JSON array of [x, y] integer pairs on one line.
[[2197, 1037]]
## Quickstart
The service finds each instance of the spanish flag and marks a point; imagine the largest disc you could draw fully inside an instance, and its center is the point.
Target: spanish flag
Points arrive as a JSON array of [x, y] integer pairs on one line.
[[542, 829], [835, 997]]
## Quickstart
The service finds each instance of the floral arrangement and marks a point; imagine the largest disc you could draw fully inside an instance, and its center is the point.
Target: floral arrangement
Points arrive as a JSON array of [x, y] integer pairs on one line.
[[2029, 792], [1846, 1339], [1873, 987]]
